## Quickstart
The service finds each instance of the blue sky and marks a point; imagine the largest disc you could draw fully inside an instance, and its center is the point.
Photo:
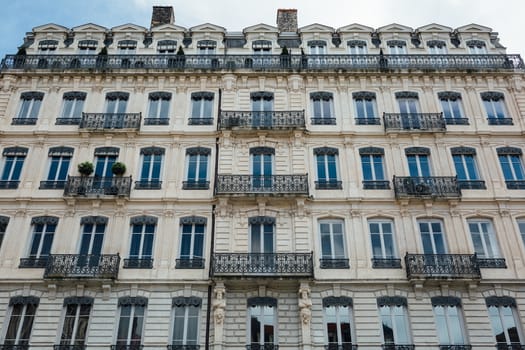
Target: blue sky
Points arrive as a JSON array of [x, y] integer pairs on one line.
[[504, 16]]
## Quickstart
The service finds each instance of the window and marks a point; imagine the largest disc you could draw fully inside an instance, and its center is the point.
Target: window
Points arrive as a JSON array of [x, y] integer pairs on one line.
[[127, 47], [185, 322], [91, 240], [206, 47], [59, 160], [521, 226], [512, 167], [262, 323], [505, 322], [452, 108], [43, 231], [476, 47], [201, 108], [383, 244], [317, 47], [12, 167], [262, 167], [449, 321], [21, 317], [150, 173], [437, 47], [116, 102], [466, 168], [333, 251], [365, 108], [141, 247], [47, 46], [4, 220], [327, 174], [262, 108], [432, 237], [30, 103], [408, 102], [262, 47], [494, 103], [262, 230], [397, 47], [323, 108], [72, 107], [394, 318], [338, 322], [87, 47], [485, 243], [192, 243], [418, 161], [76, 319], [356, 47], [131, 322], [197, 165], [372, 164], [167, 46], [158, 108]]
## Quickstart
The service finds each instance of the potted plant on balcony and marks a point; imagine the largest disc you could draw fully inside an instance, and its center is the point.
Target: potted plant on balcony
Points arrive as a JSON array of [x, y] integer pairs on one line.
[[118, 168], [85, 168], [285, 58]]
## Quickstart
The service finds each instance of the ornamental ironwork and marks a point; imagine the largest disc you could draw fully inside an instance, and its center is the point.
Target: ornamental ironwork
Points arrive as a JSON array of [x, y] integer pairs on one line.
[[462, 266], [107, 151], [110, 121], [398, 347], [189, 263], [342, 346], [500, 301], [456, 347], [193, 220], [262, 264], [103, 266], [492, 121], [78, 301], [127, 300], [261, 120], [127, 347], [328, 263], [184, 347], [143, 220], [260, 150], [186, 301], [138, 263], [74, 95], [24, 300], [417, 150], [337, 301], [98, 186], [149, 151], [386, 263], [376, 184], [15, 151], [367, 121], [403, 122], [60, 151], [449, 95], [472, 184], [267, 346], [68, 347], [52, 185], [493, 263], [426, 187], [392, 301], [445, 301], [44, 220], [262, 184], [261, 301], [463, 150]]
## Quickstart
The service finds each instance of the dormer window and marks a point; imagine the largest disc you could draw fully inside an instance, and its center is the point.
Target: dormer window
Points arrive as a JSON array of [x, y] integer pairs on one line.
[[47, 46], [396, 47], [167, 46], [476, 47], [356, 47], [262, 47], [206, 47], [87, 47], [436, 47], [126, 47], [317, 47]]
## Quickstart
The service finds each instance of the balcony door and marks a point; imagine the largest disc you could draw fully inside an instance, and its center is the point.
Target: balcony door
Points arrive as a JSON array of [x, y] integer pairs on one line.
[[262, 168], [103, 173], [432, 237], [91, 243], [262, 244], [418, 165], [262, 107], [409, 108]]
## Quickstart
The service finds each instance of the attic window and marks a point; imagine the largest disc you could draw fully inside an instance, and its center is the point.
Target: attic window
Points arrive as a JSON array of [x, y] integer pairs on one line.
[[127, 46], [206, 47], [476, 47], [48, 45], [87, 44], [167, 46]]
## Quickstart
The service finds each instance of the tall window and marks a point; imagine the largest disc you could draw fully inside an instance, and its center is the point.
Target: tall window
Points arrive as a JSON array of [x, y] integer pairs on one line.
[[494, 103], [158, 108], [4, 221], [323, 108], [262, 159], [432, 237], [206, 47], [167, 46], [372, 163], [12, 166], [396, 47], [22, 312], [30, 103], [116, 102], [394, 319], [506, 325], [92, 237], [333, 251], [76, 319], [512, 166], [466, 168], [452, 107], [365, 108], [449, 321], [263, 324], [262, 230], [131, 322], [521, 226], [59, 160], [326, 164], [356, 47], [47, 46], [72, 107], [197, 165], [87, 47], [105, 157], [317, 47], [437, 47], [192, 242], [201, 108], [262, 108], [150, 172], [408, 102], [127, 47], [485, 243], [476, 47], [43, 231], [338, 322], [418, 161], [383, 244], [141, 247], [185, 322], [262, 47]]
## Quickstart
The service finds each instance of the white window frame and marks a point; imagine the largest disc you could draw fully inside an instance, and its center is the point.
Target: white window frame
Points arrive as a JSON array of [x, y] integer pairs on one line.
[[372, 166], [16, 159], [338, 313], [373, 101], [495, 252], [397, 49], [62, 159], [142, 234], [159, 109], [381, 235], [192, 241], [130, 326], [73, 339], [330, 114], [197, 167], [395, 331], [521, 229], [185, 325], [150, 168], [517, 324], [8, 319], [433, 234], [44, 233], [468, 176], [31, 113], [331, 222], [357, 49], [450, 102], [261, 314]]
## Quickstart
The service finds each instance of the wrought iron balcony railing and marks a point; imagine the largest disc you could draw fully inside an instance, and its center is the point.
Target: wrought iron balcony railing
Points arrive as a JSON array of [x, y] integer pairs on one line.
[[148, 185], [98, 186], [261, 120], [68, 121], [14, 347], [426, 187], [472, 184], [69, 347], [323, 121], [262, 347], [262, 264], [500, 121], [184, 347], [376, 185], [156, 121], [511, 184], [492, 263], [346, 62], [328, 184], [512, 346], [455, 347], [33, 262], [196, 185], [456, 121], [52, 185], [189, 263], [344, 346], [110, 121], [24, 121], [9, 184], [428, 122], [103, 266], [127, 347], [328, 263], [386, 263], [200, 121], [398, 347], [138, 263], [367, 121], [263, 184], [461, 266]]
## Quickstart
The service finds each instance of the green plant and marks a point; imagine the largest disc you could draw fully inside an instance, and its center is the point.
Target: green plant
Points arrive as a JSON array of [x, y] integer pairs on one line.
[[103, 51], [284, 51], [180, 51], [118, 168], [85, 168]]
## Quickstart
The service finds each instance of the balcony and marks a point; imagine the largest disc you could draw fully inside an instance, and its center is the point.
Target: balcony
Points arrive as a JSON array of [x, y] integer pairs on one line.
[[33, 262], [455, 266], [184, 347], [110, 121], [189, 263], [398, 347], [344, 346], [14, 347], [334, 263], [271, 120], [69, 347], [512, 346], [262, 347], [98, 186], [455, 347], [52, 185], [138, 263], [263, 264], [426, 187], [414, 122], [82, 266], [218, 62], [262, 185]]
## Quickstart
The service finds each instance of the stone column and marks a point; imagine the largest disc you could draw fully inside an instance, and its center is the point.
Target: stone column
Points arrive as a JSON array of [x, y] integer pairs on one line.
[[305, 310], [219, 306]]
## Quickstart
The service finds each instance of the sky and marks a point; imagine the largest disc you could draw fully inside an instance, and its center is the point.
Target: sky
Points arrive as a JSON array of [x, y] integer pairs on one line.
[[504, 16]]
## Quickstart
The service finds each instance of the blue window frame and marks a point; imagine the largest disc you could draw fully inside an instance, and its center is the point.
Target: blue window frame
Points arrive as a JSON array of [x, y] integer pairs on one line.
[[494, 103], [418, 165], [365, 107], [372, 163], [466, 168], [150, 173], [326, 163], [142, 234], [14, 158], [512, 166], [192, 242], [452, 107], [42, 237], [197, 165]]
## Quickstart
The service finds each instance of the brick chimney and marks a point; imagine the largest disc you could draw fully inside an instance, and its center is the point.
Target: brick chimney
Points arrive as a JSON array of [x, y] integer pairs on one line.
[[287, 20], [162, 15]]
